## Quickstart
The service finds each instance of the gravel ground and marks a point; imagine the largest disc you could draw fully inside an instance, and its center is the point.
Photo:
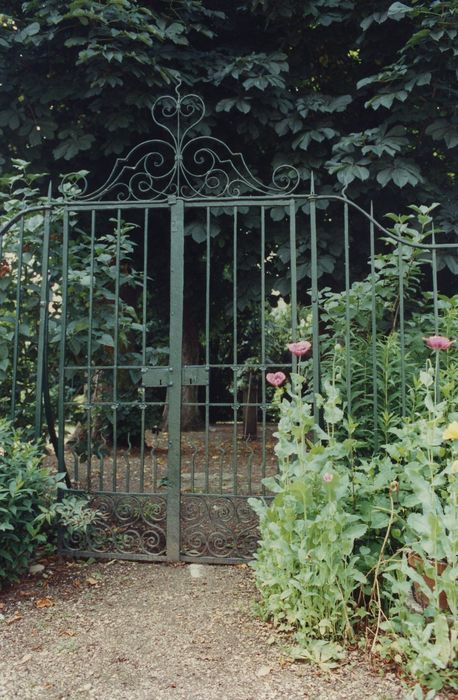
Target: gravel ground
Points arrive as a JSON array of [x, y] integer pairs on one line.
[[126, 631]]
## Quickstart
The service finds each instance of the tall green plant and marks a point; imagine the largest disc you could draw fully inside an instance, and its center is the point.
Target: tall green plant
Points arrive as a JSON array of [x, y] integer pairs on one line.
[[27, 491], [305, 566], [394, 299], [347, 539], [98, 266]]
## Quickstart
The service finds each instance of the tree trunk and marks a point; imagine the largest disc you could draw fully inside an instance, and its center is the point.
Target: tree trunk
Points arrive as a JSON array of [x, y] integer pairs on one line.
[[191, 418]]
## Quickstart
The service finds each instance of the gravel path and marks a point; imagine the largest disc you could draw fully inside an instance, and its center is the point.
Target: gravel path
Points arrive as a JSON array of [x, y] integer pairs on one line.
[[126, 631]]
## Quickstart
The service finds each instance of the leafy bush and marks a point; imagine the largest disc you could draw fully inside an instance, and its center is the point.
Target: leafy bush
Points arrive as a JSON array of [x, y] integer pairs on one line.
[[27, 491], [75, 514], [366, 508], [347, 318], [349, 539], [98, 316]]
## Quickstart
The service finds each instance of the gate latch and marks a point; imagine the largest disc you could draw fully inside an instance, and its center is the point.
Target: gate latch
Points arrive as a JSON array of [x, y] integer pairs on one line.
[[194, 375], [156, 376]]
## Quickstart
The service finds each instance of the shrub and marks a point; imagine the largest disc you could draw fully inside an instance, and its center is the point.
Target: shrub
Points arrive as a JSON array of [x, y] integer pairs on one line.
[[349, 538], [27, 492]]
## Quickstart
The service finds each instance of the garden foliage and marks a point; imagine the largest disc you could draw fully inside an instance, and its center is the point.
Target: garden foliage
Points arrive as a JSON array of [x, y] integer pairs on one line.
[[338, 538], [92, 257], [356, 525], [362, 93], [31, 511], [27, 494]]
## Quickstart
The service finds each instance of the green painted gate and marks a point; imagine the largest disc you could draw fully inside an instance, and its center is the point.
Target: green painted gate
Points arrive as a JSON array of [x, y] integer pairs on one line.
[[126, 286]]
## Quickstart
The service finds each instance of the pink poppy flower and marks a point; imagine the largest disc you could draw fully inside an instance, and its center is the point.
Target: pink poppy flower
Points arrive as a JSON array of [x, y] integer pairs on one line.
[[276, 378], [438, 342], [299, 348], [327, 477]]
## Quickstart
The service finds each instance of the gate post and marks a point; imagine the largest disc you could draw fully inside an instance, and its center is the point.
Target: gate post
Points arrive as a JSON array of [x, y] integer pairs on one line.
[[175, 366]]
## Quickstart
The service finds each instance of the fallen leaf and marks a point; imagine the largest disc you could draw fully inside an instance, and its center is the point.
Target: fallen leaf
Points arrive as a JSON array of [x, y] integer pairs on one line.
[[44, 603], [16, 617], [36, 569], [263, 671]]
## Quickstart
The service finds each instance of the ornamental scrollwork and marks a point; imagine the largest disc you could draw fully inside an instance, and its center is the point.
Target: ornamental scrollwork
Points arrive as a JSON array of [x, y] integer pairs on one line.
[[212, 526], [183, 163], [221, 527]]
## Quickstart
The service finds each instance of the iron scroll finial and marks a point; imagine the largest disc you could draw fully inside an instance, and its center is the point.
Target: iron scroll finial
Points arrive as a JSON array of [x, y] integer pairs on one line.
[[177, 88], [183, 162]]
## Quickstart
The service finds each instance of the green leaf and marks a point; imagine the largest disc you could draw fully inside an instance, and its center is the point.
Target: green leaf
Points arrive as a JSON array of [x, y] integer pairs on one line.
[[401, 173], [31, 29], [107, 340], [442, 129], [226, 104], [243, 106], [355, 531], [398, 10]]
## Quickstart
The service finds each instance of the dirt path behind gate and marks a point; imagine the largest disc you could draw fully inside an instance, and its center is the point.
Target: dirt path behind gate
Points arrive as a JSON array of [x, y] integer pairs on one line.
[[126, 631]]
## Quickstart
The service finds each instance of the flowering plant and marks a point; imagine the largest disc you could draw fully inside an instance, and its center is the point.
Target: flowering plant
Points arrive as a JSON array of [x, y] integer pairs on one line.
[[335, 541]]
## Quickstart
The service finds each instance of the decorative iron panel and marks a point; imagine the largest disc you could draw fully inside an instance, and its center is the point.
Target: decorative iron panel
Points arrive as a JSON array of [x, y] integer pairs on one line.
[[129, 525], [217, 527]]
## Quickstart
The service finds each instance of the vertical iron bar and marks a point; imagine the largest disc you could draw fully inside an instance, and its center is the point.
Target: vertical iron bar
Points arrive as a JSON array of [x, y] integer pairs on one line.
[[207, 350], [18, 315], [235, 352], [402, 330], [63, 333], [434, 275], [89, 354], [115, 353], [174, 393], [435, 306], [314, 298], [293, 266], [144, 319], [263, 343], [43, 318], [374, 329], [347, 309]]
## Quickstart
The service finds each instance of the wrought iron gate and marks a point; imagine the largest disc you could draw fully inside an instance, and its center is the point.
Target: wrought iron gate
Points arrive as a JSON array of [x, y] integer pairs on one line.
[[120, 377]]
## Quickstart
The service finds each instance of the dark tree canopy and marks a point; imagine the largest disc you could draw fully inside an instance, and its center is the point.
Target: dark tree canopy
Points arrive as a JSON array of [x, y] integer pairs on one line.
[[362, 92]]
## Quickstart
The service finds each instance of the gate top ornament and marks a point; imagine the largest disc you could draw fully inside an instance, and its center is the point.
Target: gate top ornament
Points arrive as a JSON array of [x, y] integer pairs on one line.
[[181, 164]]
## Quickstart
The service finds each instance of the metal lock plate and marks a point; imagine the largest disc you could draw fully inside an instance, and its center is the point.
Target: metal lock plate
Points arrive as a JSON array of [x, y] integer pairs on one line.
[[156, 376], [191, 375]]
